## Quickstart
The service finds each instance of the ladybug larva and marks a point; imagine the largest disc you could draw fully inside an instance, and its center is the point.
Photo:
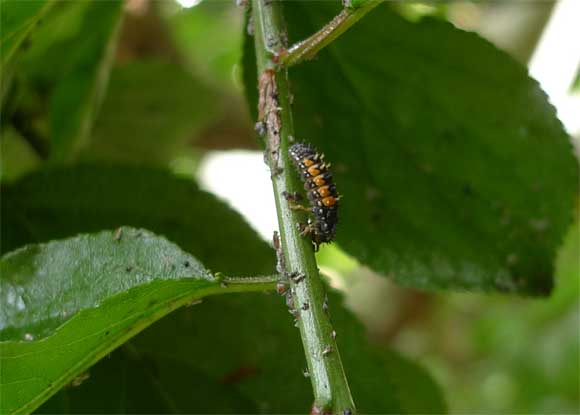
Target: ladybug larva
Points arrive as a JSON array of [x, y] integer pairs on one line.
[[321, 193]]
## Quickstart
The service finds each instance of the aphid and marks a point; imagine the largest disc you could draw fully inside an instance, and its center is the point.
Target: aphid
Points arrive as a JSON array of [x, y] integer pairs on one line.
[[250, 27], [325, 304], [321, 192], [76, 382], [260, 128], [280, 262], [297, 277], [281, 287], [327, 350], [194, 302], [290, 301]]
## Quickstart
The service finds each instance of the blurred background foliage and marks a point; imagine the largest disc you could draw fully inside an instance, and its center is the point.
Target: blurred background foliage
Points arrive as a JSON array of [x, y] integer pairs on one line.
[[174, 97]]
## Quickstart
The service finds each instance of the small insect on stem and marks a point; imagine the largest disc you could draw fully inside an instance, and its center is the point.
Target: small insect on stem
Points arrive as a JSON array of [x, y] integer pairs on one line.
[[296, 314], [281, 287], [260, 128], [297, 277], [290, 301], [276, 241], [327, 350], [321, 192], [280, 261]]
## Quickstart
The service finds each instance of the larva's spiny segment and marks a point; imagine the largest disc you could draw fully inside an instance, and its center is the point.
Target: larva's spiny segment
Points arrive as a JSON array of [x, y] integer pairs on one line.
[[321, 192]]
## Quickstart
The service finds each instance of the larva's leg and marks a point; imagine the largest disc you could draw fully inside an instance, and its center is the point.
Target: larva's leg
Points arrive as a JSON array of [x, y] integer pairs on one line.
[[306, 229], [294, 206], [292, 196], [295, 197]]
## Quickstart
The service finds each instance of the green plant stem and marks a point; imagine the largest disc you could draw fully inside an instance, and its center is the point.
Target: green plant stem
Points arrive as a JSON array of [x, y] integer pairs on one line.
[[308, 48], [266, 280], [329, 383]]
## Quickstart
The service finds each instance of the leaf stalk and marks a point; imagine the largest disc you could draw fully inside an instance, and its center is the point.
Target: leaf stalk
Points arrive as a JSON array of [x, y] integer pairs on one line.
[[308, 48]]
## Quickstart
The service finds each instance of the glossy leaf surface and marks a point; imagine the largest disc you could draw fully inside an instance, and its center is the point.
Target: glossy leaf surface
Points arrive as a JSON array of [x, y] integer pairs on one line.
[[66, 304]]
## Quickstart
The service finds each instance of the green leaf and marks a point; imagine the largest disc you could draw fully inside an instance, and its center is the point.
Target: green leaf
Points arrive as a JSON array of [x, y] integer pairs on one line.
[[454, 170], [130, 382], [43, 285], [151, 110], [107, 287], [17, 158], [77, 97], [64, 202], [258, 354], [18, 19], [70, 60], [210, 37]]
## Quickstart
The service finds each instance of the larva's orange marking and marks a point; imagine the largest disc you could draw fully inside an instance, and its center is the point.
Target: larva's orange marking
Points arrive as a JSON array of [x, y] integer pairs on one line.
[[323, 191], [319, 180], [314, 170], [329, 201]]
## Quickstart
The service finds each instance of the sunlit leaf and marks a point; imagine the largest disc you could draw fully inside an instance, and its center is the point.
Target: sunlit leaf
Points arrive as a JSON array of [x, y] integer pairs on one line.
[[104, 288]]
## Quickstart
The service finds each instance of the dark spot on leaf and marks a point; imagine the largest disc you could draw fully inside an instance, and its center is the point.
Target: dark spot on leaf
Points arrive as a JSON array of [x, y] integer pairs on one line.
[[467, 190], [186, 264], [239, 374], [447, 135], [129, 269]]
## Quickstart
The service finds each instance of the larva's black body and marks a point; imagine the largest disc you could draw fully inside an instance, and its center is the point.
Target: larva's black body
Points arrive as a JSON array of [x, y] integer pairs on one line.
[[320, 189]]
